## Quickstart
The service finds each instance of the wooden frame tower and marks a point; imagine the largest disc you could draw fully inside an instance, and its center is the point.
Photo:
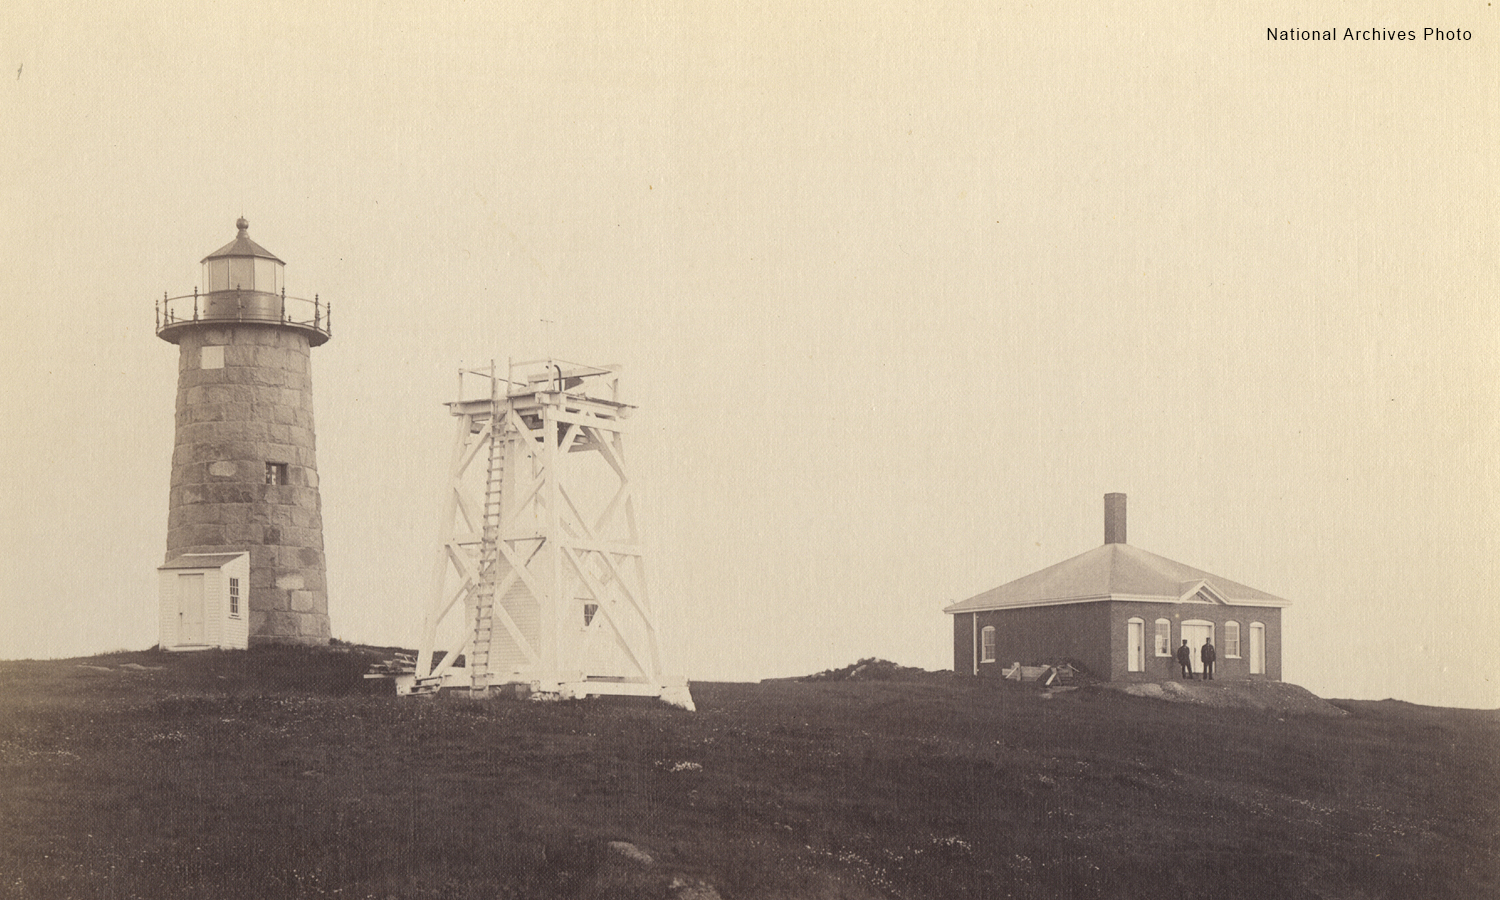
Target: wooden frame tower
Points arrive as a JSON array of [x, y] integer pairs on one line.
[[541, 547]]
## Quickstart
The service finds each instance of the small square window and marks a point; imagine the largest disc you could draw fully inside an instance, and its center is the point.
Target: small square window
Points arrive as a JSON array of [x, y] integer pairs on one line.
[[234, 598], [275, 473]]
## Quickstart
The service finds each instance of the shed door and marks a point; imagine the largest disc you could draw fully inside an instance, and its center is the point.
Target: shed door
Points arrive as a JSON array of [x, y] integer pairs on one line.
[[190, 609]]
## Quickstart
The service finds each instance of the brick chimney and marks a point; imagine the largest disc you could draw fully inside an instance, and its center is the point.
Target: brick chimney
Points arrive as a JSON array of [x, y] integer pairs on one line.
[[1114, 518]]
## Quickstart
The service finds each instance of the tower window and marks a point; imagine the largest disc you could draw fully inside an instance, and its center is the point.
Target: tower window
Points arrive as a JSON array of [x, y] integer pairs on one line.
[[234, 598], [275, 473], [588, 613]]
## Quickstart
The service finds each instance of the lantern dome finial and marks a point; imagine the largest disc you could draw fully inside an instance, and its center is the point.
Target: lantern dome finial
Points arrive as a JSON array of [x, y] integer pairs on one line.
[[243, 224]]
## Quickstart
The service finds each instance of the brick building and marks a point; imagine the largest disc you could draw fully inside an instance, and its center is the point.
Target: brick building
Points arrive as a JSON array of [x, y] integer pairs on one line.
[[1121, 613]]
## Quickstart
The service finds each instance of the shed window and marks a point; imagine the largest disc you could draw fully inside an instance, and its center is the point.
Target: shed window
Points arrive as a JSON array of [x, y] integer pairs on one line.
[[234, 598], [987, 644], [1232, 640], [1163, 637], [275, 473]]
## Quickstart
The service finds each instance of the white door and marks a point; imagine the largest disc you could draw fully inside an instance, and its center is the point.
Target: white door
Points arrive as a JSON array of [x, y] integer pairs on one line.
[[1195, 633], [1257, 649], [1135, 636], [190, 609]]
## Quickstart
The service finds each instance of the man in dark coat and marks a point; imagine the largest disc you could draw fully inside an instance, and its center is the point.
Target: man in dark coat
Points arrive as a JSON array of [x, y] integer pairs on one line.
[[1208, 654], [1185, 657]]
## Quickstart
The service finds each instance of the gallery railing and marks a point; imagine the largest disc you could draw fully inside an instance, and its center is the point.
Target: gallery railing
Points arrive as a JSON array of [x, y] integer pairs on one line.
[[250, 307]]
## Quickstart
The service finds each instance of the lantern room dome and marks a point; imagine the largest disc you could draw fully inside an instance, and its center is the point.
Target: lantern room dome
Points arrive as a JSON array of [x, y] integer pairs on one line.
[[242, 245]]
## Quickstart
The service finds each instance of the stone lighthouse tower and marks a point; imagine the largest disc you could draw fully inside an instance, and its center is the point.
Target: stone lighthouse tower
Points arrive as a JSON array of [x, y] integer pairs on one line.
[[244, 470]]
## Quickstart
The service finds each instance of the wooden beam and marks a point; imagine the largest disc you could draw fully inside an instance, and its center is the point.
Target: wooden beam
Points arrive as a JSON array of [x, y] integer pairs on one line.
[[598, 590], [439, 575], [612, 452], [476, 441], [620, 496], [580, 418], [621, 643], [588, 533], [452, 655], [514, 630]]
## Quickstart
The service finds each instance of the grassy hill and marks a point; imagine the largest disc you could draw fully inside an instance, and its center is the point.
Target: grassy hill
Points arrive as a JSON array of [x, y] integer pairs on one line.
[[281, 773]]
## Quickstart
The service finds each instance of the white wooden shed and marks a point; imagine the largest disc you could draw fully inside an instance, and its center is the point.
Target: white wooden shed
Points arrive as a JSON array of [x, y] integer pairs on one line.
[[205, 601]]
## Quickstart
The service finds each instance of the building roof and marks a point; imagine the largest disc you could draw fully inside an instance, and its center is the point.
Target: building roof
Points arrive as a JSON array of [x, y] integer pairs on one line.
[[1121, 572], [242, 245], [200, 560]]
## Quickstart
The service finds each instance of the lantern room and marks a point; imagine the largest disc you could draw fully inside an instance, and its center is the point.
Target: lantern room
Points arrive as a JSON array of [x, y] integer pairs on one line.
[[243, 265], [243, 282]]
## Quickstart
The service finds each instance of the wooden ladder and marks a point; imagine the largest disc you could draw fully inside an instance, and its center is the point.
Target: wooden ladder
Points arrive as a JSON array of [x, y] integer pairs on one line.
[[489, 554]]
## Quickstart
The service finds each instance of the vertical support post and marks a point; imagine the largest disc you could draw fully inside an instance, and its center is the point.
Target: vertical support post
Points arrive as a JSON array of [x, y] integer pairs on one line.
[[195, 304], [552, 583], [643, 585], [440, 565]]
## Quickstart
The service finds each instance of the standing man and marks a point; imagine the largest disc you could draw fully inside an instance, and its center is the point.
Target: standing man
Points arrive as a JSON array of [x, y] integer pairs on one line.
[[1185, 658], [1208, 654]]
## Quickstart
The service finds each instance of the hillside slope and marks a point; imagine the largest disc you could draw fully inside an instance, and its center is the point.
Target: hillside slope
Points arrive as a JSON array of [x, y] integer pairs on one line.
[[274, 774]]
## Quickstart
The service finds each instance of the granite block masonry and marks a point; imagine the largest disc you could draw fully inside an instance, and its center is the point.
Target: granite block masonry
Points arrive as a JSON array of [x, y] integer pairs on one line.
[[244, 465]]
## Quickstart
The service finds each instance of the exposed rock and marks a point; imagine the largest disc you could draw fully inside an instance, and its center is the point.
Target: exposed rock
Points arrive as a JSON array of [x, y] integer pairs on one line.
[[631, 852], [870, 670], [1271, 696], [692, 889]]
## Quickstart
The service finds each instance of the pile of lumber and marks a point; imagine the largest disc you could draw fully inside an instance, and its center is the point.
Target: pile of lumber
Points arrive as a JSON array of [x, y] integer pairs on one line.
[[1049, 676], [400, 664]]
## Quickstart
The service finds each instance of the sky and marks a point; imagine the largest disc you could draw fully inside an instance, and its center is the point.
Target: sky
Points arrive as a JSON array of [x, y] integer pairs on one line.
[[901, 290]]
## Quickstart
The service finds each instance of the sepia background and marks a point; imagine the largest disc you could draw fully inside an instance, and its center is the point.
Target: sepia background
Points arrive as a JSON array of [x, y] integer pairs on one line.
[[902, 290]]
